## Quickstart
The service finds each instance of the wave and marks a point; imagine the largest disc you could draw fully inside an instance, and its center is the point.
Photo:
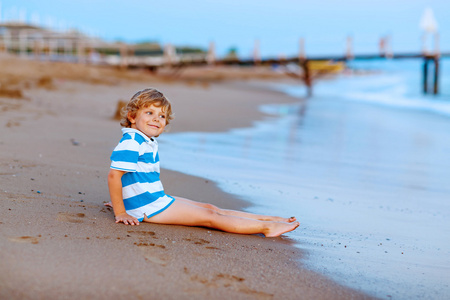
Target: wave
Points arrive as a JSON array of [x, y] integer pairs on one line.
[[396, 84]]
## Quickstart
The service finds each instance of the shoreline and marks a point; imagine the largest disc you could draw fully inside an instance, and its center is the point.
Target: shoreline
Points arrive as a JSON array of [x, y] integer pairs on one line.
[[58, 240]]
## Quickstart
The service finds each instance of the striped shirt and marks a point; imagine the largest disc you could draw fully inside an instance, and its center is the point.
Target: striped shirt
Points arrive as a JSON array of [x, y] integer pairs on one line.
[[143, 192]]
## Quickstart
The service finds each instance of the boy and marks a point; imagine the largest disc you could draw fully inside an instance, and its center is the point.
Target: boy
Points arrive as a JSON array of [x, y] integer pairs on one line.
[[137, 193]]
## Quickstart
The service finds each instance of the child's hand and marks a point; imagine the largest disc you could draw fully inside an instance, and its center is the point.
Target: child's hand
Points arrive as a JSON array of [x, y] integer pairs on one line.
[[127, 219]]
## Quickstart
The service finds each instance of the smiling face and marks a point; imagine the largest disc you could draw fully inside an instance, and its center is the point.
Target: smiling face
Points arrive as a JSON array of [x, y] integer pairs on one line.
[[150, 120]]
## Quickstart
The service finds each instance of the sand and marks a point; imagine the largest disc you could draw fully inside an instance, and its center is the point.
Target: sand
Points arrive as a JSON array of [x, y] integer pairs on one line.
[[58, 241]]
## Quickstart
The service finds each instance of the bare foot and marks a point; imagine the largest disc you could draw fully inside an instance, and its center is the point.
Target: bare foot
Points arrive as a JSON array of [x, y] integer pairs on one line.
[[278, 228], [109, 204]]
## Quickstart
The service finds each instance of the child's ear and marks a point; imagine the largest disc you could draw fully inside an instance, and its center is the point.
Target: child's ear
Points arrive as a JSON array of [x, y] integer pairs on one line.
[[131, 117]]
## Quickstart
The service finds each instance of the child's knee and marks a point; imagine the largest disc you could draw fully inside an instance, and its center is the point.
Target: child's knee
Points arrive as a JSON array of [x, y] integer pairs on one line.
[[211, 207], [210, 216]]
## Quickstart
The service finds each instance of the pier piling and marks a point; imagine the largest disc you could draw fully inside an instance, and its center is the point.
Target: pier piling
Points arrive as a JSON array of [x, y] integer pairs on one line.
[[425, 76], [436, 76], [435, 61]]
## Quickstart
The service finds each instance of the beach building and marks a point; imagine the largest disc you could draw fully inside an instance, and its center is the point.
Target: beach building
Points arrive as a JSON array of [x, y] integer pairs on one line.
[[35, 42]]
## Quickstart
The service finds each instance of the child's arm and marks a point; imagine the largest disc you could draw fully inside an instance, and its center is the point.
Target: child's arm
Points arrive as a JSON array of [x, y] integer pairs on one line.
[[115, 192]]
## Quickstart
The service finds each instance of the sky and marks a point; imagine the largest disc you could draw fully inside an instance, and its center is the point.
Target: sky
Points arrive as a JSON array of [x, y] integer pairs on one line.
[[277, 26]]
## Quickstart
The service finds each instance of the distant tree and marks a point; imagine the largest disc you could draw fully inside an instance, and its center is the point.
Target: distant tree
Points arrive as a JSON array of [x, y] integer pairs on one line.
[[147, 48], [232, 54], [189, 49], [147, 42]]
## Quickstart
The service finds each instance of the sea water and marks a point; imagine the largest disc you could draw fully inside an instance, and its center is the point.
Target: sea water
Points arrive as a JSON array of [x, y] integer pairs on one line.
[[363, 165]]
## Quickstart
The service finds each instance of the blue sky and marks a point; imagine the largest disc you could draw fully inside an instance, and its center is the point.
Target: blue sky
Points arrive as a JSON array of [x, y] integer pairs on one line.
[[278, 25]]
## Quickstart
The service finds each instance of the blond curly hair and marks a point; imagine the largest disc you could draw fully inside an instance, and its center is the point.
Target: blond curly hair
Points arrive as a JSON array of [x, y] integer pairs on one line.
[[143, 99]]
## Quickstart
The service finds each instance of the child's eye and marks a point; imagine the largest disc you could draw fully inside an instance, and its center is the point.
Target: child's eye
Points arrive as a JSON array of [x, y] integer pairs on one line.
[[162, 116], [149, 113]]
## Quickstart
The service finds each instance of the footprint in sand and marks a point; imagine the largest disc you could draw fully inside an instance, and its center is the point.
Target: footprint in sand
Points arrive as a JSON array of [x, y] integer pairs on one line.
[[25, 239], [150, 254], [212, 248], [232, 282], [142, 233], [197, 241], [70, 217], [219, 279]]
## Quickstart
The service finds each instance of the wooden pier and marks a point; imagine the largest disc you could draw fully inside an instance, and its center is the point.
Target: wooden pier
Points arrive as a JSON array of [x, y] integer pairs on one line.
[[309, 73], [37, 43]]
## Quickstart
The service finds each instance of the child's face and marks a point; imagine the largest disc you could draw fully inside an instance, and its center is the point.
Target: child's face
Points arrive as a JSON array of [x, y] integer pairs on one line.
[[150, 120]]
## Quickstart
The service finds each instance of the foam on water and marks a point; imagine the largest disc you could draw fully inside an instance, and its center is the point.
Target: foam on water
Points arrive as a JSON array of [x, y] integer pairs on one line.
[[369, 184]]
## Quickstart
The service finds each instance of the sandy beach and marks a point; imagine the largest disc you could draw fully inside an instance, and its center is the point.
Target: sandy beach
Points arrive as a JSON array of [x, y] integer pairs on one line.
[[58, 241]]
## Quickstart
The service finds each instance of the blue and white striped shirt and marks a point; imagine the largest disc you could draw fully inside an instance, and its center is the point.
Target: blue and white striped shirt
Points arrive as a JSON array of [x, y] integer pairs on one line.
[[143, 192]]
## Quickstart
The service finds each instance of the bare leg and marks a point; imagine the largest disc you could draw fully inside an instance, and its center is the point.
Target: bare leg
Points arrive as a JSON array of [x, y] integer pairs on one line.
[[236, 213], [230, 212], [184, 213]]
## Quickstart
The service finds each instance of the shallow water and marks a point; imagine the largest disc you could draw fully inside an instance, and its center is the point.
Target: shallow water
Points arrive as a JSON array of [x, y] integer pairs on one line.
[[369, 183]]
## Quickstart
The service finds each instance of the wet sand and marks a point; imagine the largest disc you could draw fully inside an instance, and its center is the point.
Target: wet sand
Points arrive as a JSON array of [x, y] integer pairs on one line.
[[58, 241]]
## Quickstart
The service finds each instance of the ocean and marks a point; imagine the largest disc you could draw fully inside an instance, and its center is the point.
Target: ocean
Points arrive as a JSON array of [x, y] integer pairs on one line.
[[364, 165]]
